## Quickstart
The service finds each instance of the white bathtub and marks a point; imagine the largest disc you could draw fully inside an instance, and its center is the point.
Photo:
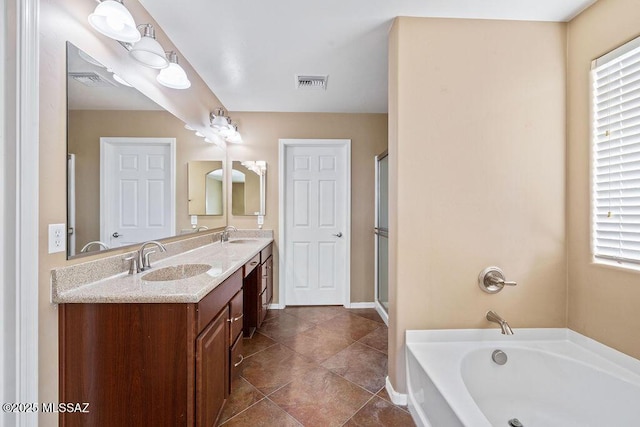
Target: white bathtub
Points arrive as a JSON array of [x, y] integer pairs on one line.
[[553, 377]]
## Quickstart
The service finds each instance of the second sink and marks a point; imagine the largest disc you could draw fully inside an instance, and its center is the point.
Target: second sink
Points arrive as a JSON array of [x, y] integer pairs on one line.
[[176, 272], [242, 240]]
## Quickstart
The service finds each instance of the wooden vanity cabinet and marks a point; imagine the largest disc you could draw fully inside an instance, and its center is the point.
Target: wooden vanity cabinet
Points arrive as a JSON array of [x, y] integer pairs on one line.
[[258, 290], [212, 370], [149, 364]]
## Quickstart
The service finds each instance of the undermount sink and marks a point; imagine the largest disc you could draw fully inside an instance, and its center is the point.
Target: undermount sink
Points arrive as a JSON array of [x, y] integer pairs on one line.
[[176, 272], [243, 240]]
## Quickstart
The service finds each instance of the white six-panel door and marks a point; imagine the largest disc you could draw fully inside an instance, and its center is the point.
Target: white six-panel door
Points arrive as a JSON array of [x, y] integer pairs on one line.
[[137, 186], [316, 221]]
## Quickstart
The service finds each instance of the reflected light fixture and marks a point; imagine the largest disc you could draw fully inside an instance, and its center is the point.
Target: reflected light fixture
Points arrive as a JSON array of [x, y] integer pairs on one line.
[[218, 120], [113, 19], [148, 51], [236, 138], [173, 76]]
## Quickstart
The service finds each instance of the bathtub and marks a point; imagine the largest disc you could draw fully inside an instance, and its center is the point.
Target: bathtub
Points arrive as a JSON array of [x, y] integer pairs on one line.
[[553, 377]]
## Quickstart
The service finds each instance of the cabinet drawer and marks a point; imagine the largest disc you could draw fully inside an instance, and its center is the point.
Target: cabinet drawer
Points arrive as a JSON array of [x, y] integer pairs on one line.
[[266, 253], [217, 299], [236, 361], [235, 316], [251, 265]]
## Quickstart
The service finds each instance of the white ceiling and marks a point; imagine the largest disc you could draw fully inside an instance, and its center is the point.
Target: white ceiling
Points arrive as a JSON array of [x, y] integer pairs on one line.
[[248, 52]]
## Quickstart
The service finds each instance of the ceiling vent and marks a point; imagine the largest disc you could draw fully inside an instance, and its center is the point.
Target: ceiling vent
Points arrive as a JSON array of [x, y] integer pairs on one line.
[[91, 79], [311, 82]]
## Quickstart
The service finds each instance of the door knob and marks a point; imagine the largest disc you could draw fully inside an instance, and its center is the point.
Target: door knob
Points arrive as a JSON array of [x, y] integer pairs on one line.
[[339, 234], [116, 235]]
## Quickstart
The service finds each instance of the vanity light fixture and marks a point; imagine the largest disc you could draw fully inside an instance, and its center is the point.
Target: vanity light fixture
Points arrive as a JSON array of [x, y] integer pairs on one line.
[[187, 127], [199, 134], [148, 51], [173, 76], [114, 20]]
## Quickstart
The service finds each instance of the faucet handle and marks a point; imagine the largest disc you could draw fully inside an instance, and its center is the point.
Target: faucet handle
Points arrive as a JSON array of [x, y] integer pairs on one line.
[[491, 280]]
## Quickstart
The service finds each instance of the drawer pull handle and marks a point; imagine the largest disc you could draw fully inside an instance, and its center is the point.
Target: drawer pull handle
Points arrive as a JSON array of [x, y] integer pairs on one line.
[[235, 365], [235, 319], [253, 263]]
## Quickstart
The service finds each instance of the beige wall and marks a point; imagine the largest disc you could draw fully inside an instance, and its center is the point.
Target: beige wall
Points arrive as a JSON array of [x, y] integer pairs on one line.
[[603, 301], [368, 134], [478, 159], [86, 127], [62, 21]]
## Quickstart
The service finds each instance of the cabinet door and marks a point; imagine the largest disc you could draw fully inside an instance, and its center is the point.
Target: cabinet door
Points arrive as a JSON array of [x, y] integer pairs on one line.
[[269, 278], [212, 370]]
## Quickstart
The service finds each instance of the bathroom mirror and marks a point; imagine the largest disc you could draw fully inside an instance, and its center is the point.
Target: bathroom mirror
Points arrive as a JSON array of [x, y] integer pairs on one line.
[[248, 184], [102, 111], [206, 178]]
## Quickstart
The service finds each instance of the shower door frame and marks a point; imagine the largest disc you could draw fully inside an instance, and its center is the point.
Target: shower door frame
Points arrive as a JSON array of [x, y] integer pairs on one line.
[[377, 233]]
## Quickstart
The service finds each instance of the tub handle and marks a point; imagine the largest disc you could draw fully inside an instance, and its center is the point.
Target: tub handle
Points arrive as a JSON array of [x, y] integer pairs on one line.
[[491, 280]]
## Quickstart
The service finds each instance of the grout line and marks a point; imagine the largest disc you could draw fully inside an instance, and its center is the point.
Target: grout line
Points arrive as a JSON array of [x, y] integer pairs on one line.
[[359, 409], [245, 409], [283, 410]]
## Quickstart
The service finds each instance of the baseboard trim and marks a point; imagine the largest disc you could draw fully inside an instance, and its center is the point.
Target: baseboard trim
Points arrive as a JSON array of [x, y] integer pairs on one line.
[[361, 305], [275, 306], [396, 398]]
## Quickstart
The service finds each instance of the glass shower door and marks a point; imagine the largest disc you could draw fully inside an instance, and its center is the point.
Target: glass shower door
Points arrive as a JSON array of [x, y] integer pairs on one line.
[[381, 231]]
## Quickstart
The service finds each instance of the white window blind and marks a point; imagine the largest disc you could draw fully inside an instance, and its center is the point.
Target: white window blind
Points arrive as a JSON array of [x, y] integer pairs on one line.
[[616, 155]]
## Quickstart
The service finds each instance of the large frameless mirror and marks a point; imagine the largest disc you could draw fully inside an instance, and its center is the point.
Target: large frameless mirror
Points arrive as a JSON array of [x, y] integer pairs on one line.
[[127, 163]]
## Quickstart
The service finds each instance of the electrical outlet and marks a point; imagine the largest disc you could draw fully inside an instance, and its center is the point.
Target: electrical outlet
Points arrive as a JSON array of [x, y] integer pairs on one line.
[[57, 238], [260, 219], [194, 221]]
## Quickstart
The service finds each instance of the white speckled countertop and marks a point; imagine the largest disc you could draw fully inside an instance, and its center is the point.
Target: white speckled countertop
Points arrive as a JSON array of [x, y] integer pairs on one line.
[[224, 258]]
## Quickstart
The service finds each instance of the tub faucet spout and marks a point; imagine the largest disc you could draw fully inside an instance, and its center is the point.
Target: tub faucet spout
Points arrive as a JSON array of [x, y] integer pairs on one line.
[[504, 326]]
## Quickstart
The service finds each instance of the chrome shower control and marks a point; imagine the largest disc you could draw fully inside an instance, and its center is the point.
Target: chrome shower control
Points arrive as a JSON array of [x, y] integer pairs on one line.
[[491, 280]]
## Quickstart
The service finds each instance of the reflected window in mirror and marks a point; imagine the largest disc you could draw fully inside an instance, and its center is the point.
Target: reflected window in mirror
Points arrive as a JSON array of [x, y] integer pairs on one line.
[[248, 187], [206, 184]]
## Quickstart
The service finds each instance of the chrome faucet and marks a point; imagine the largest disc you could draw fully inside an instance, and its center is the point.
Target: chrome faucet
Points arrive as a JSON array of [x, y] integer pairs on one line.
[[504, 326], [224, 237], [144, 263], [202, 227], [86, 247]]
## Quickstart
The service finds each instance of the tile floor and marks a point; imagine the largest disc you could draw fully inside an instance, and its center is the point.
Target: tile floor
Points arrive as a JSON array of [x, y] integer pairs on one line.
[[315, 366]]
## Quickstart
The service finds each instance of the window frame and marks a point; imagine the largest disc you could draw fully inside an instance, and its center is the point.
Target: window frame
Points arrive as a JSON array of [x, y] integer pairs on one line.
[[599, 258]]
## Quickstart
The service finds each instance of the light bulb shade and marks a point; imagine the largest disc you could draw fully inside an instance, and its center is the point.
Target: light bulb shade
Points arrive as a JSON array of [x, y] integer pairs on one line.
[[226, 132], [220, 122], [173, 77], [121, 80], [149, 52], [235, 138], [113, 20]]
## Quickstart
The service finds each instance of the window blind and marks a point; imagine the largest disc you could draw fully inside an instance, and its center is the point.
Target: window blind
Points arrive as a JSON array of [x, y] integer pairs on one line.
[[616, 155]]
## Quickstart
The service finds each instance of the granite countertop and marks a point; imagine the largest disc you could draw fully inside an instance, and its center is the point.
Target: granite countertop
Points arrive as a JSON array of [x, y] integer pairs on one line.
[[224, 259]]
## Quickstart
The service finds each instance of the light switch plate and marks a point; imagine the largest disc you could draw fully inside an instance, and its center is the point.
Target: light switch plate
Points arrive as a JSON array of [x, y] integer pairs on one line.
[[57, 238]]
